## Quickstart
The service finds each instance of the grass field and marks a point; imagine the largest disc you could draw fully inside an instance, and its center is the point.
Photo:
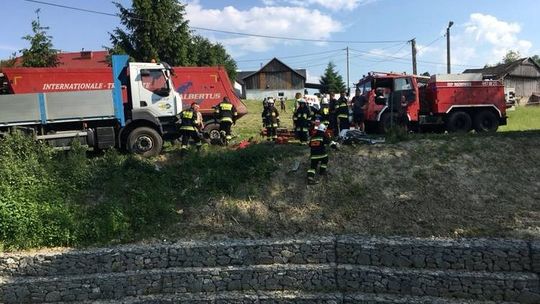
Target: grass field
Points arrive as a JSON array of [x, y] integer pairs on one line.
[[418, 185], [251, 124], [523, 119]]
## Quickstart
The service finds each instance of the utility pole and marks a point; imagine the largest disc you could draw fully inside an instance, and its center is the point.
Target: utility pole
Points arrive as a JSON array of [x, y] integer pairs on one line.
[[413, 45], [348, 83], [448, 70]]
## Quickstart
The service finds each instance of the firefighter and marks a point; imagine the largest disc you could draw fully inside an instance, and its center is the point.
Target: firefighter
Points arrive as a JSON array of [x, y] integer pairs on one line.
[[324, 112], [226, 114], [342, 113], [189, 127], [332, 103], [359, 105], [302, 121], [319, 155], [270, 117]]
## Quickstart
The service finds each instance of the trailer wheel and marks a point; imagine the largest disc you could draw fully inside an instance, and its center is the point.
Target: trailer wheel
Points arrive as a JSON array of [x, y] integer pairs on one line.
[[459, 122], [145, 141], [486, 121]]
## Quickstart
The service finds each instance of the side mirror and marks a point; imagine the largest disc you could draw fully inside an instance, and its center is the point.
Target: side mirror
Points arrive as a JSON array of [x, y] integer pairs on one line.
[[162, 92]]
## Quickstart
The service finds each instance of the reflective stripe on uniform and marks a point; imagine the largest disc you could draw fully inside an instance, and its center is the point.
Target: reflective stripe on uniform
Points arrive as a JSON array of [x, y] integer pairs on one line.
[[343, 116], [187, 128], [323, 166], [226, 119], [187, 114], [312, 171], [226, 106], [319, 156]]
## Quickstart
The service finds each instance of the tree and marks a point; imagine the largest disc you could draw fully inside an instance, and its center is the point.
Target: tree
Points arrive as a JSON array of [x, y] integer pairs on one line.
[[536, 58], [206, 53], [155, 29], [41, 52], [331, 81], [510, 56], [10, 62]]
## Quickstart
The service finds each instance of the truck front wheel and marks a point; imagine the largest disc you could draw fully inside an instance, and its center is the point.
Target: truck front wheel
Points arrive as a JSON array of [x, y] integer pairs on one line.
[[486, 121], [459, 122], [145, 141]]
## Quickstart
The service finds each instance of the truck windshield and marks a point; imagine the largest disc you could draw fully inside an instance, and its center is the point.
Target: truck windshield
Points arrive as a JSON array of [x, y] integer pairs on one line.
[[154, 80], [364, 87]]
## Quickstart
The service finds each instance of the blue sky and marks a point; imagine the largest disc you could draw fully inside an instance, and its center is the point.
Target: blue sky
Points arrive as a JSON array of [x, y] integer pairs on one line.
[[482, 33]]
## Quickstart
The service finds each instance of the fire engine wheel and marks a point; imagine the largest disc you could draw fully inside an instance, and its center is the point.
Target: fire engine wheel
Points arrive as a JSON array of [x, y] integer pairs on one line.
[[486, 121], [459, 122], [145, 141]]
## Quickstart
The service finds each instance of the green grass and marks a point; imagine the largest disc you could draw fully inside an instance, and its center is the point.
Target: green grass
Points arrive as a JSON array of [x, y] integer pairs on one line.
[[418, 184], [50, 198], [522, 119], [250, 125]]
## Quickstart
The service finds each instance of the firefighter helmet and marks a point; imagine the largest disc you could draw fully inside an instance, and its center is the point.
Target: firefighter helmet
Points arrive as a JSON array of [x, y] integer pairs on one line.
[[321, 128]]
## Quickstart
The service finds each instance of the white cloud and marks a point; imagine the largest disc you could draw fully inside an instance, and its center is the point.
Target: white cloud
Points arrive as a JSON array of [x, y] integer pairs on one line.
[[311, 78], [299, 22], [501, 36], [334, 5], [422, 50]]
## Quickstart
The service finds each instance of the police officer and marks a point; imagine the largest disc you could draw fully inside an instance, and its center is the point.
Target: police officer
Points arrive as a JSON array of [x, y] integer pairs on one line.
[[302, 121], [189, 125], [270, 116], [226, 114], [318, 155]]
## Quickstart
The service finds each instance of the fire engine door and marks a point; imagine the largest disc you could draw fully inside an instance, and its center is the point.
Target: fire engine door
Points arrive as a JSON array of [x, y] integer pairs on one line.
[[402, 95]]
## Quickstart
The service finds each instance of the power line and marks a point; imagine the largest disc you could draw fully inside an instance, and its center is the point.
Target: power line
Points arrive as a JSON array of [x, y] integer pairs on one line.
[[401, 58], [299, 39], [300, 64], [293, 56], [224, 31]]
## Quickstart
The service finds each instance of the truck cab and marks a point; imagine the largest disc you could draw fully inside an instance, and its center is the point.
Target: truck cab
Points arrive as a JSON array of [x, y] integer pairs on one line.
[[390, 97]]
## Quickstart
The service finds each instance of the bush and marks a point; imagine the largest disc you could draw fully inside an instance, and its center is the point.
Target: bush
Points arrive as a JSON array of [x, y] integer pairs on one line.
[[58, 198], [33, 209]]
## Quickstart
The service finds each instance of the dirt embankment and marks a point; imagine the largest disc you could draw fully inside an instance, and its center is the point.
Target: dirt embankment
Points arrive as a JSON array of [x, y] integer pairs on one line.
[[461, 186]]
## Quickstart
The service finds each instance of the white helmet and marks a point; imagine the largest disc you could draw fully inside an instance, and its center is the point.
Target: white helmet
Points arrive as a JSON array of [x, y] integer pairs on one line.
[[321, 128], [324, 100], [270, 100]]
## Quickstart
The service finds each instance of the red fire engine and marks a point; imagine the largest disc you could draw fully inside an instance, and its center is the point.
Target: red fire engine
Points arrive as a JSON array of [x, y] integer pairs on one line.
[[452, 102]]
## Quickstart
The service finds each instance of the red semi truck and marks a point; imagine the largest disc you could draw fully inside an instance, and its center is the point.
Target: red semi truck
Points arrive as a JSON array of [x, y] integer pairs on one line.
[[144, 90], [451, 102]]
